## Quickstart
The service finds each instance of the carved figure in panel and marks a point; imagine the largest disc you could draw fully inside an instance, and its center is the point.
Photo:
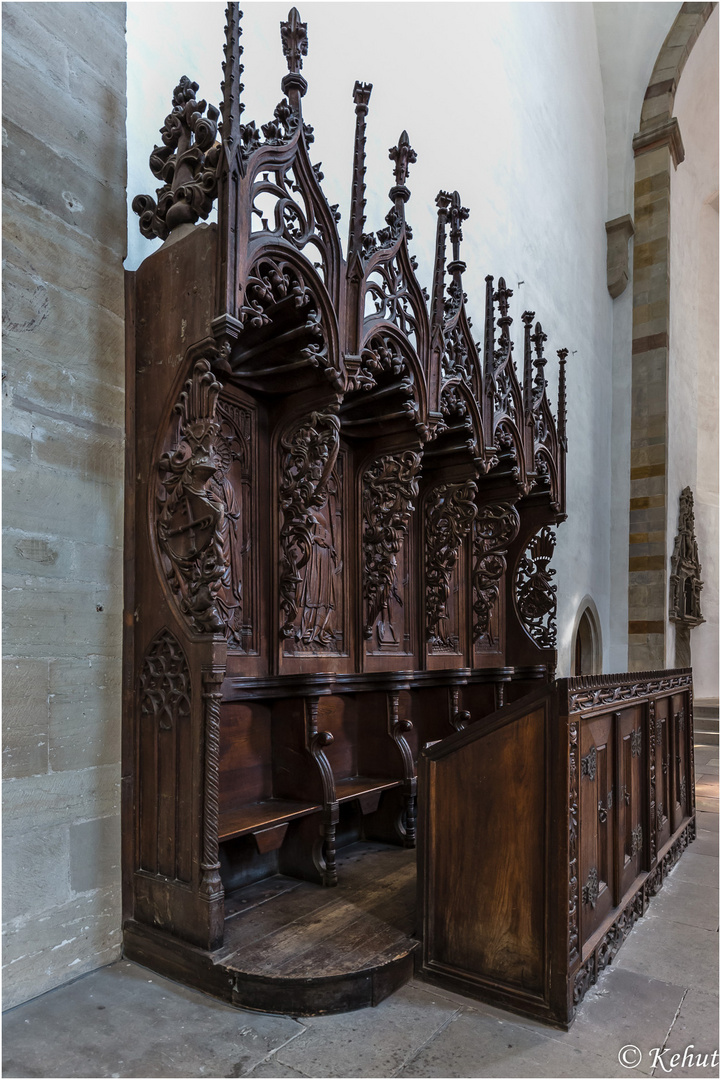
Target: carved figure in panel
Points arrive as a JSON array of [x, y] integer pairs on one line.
[[450, 512], [231, 484], [389, 487], [496, 527], [686, 583], [187, 162], [535, 594], [192, 525], [310, 547]]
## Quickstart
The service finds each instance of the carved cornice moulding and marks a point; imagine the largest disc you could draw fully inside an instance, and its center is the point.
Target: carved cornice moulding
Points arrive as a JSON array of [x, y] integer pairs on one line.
[[666, 134], [592, 691]]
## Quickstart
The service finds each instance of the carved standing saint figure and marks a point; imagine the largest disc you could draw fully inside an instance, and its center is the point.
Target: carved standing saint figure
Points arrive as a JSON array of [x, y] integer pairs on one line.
[[310, 563]]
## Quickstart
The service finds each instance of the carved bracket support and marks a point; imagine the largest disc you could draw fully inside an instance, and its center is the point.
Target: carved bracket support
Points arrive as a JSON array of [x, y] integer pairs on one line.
[[618, 233]]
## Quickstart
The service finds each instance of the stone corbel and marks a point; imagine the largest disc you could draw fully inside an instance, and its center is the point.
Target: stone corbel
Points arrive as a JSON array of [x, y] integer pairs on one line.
[[666, 133], [618, 233]]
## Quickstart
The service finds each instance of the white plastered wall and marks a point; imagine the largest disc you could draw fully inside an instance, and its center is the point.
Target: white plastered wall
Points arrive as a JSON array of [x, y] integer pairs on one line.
[[694, 334]]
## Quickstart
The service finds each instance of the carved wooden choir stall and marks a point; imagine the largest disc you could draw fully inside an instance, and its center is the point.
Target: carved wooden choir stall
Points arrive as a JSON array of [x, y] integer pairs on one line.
[[339, 531]]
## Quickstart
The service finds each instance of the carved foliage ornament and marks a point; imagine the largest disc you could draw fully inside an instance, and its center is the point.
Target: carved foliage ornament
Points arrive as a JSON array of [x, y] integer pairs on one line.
[[450, 511], [686, 583], [535, 594], [496, 527], [187, 162], [193, 508], [389, 487], [306, 584]]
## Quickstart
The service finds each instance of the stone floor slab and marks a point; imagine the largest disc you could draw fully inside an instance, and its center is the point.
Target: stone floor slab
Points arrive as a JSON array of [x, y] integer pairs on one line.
[[696, 868], [695, 1030], [369, 1042], [708, 821], [672, 952], [684, 901], [706, 843], [125, 1021]]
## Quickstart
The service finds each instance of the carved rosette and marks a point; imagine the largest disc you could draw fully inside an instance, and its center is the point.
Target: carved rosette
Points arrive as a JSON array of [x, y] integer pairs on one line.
[[389, 487], [192, 521], [535, 594], [187, 162], [450, 512], [309, 561], [496, 527]]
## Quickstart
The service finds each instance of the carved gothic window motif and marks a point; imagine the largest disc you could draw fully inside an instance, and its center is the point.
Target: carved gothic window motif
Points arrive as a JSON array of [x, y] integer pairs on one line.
[[389, 487], [192, 523], [311, 549], [164, 697], [495, 527], [281, 207], [686, 583], [456, 362], [535, 594], [450, 511], [388, 298]]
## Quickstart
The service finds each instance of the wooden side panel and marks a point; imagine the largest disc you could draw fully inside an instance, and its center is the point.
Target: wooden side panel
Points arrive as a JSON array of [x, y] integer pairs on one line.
[[631, 742], [663, 771], [245, 754], [681, 759], [596, 786], [487, 896]]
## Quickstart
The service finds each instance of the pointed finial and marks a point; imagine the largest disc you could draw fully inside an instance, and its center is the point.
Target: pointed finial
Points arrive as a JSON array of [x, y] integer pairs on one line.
[[403, 155], [562, 437], [527, 317], [294, 38], [538, 338], [231, 86], [459, 214], [443, 202]]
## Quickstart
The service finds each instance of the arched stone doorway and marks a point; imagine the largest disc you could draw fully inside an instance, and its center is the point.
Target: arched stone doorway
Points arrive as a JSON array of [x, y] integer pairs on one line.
[[587, 649]]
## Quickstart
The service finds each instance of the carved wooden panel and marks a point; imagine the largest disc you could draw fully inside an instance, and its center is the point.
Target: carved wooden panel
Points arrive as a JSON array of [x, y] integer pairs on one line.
[[389, 490], [165, 765], [311, 537], [495, 527], [535, 593], [596, 795], [449, 513]]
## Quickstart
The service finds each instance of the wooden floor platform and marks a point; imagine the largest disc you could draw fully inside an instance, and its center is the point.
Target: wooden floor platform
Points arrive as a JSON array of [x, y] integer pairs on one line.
[[298, 948]]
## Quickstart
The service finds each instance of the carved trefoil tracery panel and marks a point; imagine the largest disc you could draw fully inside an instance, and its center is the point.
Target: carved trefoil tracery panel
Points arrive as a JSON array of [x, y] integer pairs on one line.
[[311, 536], [164, 759], [389, 488]]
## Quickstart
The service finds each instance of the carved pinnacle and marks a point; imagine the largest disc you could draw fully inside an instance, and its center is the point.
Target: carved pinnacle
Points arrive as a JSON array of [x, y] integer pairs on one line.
[[562, 437], [403, 155], [538, 338], [361, 97], [443, 202], [459, 214], [231, 86]]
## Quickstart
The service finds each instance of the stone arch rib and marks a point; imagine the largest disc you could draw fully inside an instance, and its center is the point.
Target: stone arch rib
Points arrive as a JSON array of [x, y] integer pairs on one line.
[[656, 146]]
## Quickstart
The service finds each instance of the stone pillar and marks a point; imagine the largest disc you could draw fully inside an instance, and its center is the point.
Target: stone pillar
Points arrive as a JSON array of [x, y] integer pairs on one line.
[[655, 149]]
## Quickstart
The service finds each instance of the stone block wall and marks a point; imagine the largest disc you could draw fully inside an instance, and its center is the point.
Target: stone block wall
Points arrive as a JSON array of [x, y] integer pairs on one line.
[[64, 238]]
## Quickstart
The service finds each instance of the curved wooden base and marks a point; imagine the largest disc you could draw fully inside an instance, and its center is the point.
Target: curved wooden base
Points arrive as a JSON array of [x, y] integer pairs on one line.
[[296, 948]]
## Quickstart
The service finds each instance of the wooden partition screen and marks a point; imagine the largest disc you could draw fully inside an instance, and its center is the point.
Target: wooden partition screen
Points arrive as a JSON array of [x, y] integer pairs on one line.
[[545, 829]]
